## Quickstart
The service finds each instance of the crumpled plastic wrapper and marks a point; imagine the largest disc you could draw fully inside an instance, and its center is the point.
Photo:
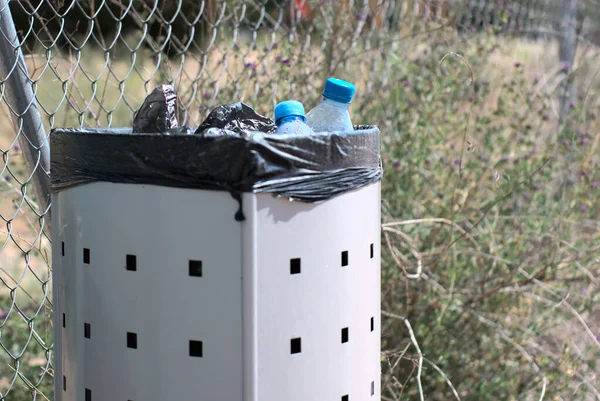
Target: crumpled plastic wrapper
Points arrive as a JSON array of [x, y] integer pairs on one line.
[[158, 113], [237, 117]]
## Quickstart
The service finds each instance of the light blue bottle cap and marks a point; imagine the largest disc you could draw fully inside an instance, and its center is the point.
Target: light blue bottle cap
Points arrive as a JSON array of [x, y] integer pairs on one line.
[[289, 108], [338, 90]]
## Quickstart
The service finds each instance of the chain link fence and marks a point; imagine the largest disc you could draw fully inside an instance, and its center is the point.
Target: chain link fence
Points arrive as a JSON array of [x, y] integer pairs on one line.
[[69, 63]]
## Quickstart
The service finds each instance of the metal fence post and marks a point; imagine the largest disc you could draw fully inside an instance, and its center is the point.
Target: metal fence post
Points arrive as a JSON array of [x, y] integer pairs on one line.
[[567, 48], [17, 90]]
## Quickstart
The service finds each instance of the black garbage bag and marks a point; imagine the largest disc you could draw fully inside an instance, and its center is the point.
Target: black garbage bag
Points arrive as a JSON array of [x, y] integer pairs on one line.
[[237, 117], [306, 168], [158, 113]]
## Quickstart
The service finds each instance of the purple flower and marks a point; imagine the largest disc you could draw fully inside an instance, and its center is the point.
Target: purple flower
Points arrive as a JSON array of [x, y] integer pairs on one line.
[[207, 95], [594, 185], [564, 143], [518, 64], [566, 67], [485, 82], [417, 60], [583, 208], [537, 187], [473, 29], [500, 4], [361, 16], [407, 83], [456, 162], [250, 65], [396, 163], [3, 315], [286, 61], [527, 196], [536, 80], [470, 98]]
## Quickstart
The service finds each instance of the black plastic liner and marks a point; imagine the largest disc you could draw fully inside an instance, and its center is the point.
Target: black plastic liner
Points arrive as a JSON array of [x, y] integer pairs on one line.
[[305, 168]]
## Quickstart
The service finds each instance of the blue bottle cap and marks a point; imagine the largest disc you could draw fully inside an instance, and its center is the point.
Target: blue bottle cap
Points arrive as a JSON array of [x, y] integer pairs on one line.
[[289, 108], [338, 90]]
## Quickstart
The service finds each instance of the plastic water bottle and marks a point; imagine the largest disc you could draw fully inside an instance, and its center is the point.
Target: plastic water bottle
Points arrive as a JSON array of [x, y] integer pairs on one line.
[[290, 118], [332, 115]]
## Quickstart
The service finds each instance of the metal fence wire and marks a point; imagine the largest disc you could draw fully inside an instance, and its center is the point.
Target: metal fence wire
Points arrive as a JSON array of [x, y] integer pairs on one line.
[[75, 63]]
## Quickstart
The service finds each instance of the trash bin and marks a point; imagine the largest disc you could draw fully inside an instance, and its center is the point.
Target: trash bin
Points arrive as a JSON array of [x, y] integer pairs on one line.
[[180, 274]]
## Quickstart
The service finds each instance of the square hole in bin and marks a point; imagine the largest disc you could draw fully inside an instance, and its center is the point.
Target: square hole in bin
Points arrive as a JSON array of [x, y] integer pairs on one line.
[[372, 323], [132, 340], [131, 263], [345, 258], [64, 320], [195, 268], [196, 348], [372, 388], [345, 397], [372, 250], [295, 266], [88, 394], [344, 335], [87, 330], [62, 248], [64, 383], [296, 345], [86, 256]]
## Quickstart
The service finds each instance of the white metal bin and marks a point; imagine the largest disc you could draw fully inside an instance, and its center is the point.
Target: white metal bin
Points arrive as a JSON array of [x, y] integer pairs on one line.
[[160, 294]]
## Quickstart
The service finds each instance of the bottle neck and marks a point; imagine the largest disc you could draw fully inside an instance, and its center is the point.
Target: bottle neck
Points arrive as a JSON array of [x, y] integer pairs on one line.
[[334, 103], [287, 119]]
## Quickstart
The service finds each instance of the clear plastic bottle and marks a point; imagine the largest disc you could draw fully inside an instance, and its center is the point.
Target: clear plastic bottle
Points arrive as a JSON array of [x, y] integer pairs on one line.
[[332, 115], [290, 118]]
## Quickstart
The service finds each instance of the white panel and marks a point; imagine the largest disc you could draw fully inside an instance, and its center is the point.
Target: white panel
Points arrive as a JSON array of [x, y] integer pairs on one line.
[[164, 228], [259, 315], [317, 303]]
